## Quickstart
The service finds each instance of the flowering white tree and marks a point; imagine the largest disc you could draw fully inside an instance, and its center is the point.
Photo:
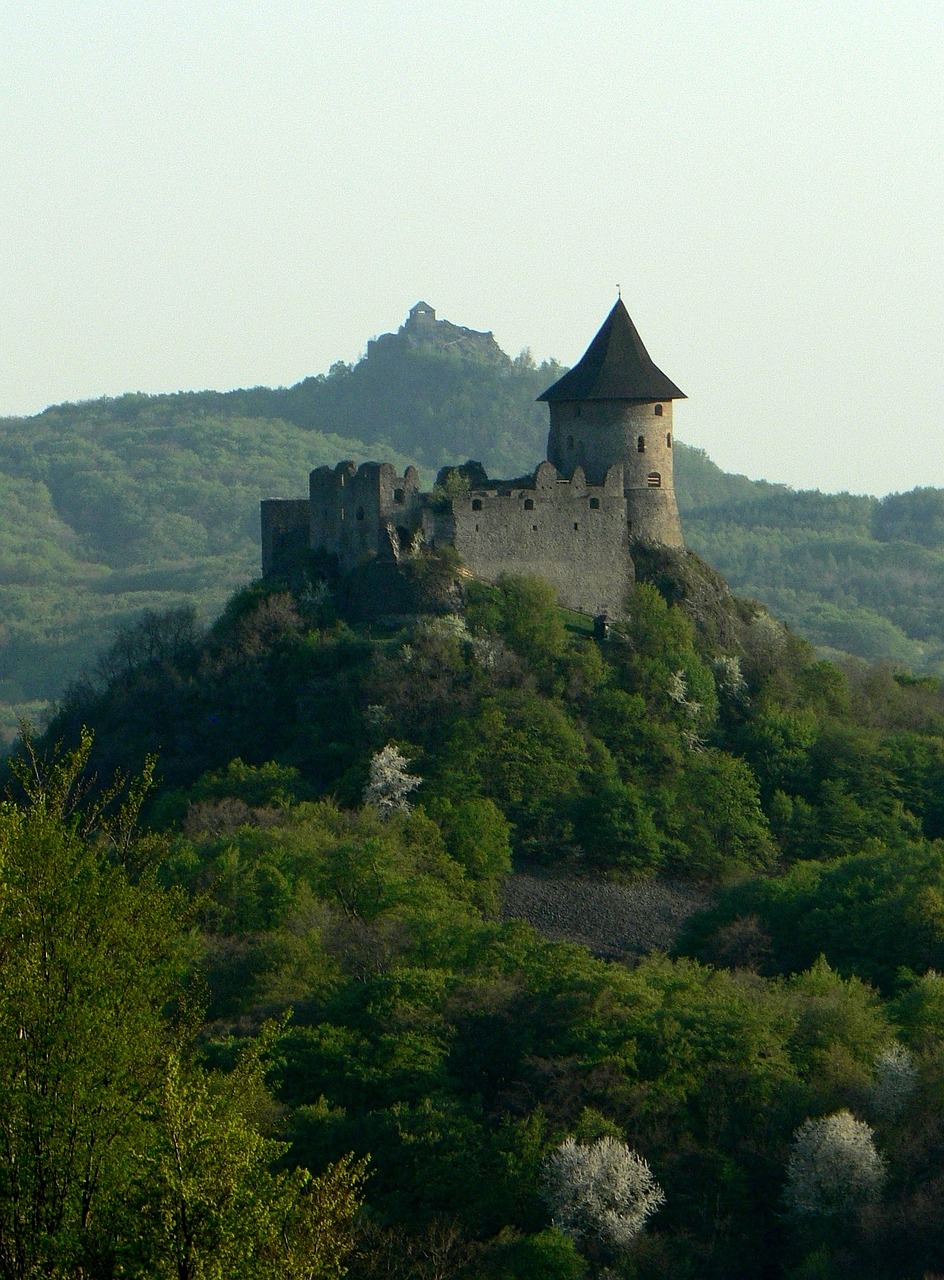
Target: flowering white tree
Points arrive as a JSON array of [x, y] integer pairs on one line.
[[833, 1166], [389, 784], [600, 1190], [896, 1078]]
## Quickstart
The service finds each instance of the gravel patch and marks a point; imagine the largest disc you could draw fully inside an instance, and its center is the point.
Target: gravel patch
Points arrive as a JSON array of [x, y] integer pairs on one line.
[[616, 921]]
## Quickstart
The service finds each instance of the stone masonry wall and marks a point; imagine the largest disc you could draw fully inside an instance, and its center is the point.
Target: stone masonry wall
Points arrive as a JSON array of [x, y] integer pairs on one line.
[[361, 511], [568, 532], [285, 525]]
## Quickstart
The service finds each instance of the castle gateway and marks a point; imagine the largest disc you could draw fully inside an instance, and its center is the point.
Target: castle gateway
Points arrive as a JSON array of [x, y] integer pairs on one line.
[[607, 483]]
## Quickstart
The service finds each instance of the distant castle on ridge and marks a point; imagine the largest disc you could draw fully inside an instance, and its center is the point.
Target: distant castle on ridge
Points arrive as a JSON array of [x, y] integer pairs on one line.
[[607, 483]]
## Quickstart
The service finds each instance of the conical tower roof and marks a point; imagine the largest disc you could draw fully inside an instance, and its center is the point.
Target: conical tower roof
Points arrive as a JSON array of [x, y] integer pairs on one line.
[[616, 366]]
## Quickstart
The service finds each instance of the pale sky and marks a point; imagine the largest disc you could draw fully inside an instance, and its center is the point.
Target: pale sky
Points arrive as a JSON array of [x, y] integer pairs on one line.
[[224, 194]]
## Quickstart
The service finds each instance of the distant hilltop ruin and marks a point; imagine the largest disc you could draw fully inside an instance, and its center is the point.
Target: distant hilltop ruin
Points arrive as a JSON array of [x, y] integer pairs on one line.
[[606, 484], [422, 329]]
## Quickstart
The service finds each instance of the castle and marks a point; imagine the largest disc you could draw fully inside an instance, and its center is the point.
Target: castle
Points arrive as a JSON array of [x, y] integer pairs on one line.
[[607, 483]]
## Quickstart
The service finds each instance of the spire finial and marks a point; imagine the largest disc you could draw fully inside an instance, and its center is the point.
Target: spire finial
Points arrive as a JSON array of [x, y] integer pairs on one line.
[[619, 292]]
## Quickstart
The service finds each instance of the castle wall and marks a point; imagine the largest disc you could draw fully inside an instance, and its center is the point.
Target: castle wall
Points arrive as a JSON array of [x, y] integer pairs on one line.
[[359, 512], [285, 526], [598, 434], [568, 532]]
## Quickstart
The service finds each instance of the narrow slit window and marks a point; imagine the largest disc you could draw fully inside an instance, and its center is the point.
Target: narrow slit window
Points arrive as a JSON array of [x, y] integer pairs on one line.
[[360, 513], [668, 439], [641, 444], [576, 526], [577, 410], [654, 480]]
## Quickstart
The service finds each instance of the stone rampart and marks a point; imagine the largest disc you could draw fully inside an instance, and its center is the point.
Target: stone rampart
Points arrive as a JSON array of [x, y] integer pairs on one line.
[[571, 533]]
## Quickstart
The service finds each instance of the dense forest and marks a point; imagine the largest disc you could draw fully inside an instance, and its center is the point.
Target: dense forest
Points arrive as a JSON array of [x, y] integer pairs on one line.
[[314, 1044], [113, 507]]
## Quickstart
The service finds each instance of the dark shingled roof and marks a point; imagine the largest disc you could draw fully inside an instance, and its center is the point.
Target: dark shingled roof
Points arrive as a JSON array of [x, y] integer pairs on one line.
[[616, 366]]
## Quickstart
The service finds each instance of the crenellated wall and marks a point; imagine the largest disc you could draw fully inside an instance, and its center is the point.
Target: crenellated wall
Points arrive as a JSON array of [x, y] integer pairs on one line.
[[571, 533], [566, 530]]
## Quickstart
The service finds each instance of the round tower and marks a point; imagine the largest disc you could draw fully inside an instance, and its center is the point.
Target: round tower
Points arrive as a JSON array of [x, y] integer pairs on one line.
[[614, 408]]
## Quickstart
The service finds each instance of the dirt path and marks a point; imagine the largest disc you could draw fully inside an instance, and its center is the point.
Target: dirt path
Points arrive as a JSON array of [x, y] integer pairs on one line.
[[618, 921]]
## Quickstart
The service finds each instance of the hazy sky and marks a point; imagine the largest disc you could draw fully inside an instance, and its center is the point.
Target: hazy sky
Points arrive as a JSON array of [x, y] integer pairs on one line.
[[223, 194]]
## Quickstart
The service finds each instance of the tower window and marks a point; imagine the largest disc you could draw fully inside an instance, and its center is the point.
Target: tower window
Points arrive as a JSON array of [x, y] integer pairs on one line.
[[577, 410], [658, 411], [641, 444], [476, 504], [668, 439], [477, 527], [534, 528], [399, 495], [654, 480], [594, 504], [360, 513], [570, 442], [576, 526], [529, 504]]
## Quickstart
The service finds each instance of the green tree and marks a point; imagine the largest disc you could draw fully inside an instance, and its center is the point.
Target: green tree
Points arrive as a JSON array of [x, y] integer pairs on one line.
[[88, 959], [206, 1201]]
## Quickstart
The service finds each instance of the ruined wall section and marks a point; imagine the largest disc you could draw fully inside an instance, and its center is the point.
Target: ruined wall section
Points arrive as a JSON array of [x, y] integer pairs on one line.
[[637, 435], [285, 531], [358, 512], [569, 532]]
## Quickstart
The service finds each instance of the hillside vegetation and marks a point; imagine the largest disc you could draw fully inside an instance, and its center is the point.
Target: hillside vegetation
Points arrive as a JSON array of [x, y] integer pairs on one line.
[[338, 810], [112, 507]]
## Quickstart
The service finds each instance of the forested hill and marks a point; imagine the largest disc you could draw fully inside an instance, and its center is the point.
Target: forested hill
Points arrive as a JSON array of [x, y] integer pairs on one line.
[[314, 911], [114, 506]]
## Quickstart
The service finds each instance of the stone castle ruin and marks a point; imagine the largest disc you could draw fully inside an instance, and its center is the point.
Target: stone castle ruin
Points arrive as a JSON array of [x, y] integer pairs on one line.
[[606, 485]]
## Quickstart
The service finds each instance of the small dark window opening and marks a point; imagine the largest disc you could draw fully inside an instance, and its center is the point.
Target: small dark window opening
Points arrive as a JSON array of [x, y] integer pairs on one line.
[[476, 504], [658, 411], [570, 442], [404, 537], [576, 526], [594, 504], [360, 513], [477, 527], [529, 504], [399, 495], [641, 444], [534, 528], [654, 480], [668, 439], [577, 410]]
